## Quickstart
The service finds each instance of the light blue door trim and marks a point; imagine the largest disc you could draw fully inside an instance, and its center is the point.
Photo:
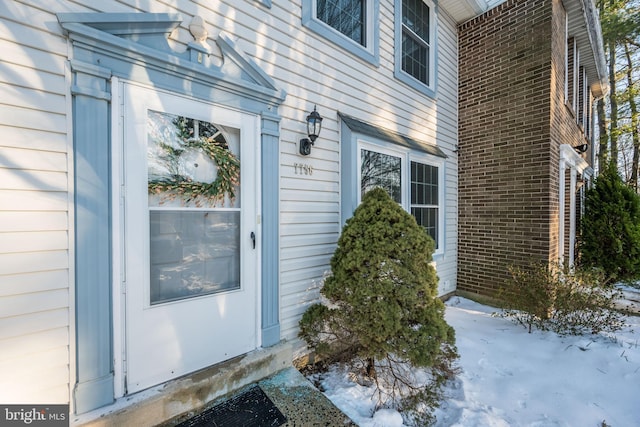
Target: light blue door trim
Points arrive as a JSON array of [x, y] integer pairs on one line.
[[133, 47], [91, 143], [270, 229]]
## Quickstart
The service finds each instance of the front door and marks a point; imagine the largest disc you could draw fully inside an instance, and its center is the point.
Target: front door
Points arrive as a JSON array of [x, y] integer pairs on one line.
[[191, 224]]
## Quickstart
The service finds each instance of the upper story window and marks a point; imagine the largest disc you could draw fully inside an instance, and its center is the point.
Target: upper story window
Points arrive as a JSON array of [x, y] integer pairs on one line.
[[583, 89], [415, 44], [351, 24], [346, 16], [577, 92], [571, 73]]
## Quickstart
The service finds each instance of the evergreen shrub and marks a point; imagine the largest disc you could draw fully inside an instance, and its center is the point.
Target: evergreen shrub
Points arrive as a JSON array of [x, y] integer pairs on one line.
[[610, 227], [380, 309]]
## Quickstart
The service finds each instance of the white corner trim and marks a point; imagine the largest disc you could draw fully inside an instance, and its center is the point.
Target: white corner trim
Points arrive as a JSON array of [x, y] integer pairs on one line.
[[573, 159]]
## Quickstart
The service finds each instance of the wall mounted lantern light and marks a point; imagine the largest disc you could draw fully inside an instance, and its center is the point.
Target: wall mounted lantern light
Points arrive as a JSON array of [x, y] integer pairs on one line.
[[314, 125], [581, 148]]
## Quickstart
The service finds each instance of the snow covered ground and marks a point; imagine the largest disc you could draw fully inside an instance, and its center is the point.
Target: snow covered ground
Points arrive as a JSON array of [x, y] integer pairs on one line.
[[512, 378]]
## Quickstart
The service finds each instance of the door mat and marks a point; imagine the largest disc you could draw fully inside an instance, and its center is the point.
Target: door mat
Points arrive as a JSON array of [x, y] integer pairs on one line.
[[249, 409]]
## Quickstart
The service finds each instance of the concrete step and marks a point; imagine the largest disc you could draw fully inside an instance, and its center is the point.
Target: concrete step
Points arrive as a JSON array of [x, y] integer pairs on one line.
[[297, 399], [191, 393]]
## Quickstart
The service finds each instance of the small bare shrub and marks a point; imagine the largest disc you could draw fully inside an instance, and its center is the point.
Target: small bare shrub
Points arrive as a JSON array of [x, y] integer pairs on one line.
[[565, 300], [528, 296]]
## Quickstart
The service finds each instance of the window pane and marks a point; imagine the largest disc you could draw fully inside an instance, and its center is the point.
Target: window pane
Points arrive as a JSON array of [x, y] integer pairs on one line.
[[416, 39], [428, 219], [381, 170], [424, 184], [424, 197], [415, 15], [194, 249], [193, 253], [346, 16], [415, 58], [184, 157]]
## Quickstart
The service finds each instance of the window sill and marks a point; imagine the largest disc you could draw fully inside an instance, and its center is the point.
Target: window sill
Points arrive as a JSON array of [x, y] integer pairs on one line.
[[415, 84], [571, 110]]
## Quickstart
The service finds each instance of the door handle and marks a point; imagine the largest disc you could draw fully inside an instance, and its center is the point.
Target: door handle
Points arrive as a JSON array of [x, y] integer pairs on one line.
[[253, 239]]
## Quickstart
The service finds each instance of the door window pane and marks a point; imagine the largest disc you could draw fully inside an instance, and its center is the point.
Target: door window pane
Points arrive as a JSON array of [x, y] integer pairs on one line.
[[193, 253], [190, 163], [194, 215], [381, 170]]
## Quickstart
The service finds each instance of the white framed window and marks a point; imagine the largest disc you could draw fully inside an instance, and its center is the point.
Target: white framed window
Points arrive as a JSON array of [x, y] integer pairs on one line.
[[351, 24], [583, 101], [413, 179], [384, 168], [425, 196], [415, 44], [575, 73], [566, 54]]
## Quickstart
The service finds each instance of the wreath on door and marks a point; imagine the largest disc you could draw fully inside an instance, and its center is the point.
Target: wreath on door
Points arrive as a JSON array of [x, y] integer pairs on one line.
[[190, 190]]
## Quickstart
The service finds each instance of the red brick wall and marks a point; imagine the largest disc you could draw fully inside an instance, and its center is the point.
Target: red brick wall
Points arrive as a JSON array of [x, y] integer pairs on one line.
[[511, 119]]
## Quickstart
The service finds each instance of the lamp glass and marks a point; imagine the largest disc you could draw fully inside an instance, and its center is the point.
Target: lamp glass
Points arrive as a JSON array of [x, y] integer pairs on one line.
[[314, 124]]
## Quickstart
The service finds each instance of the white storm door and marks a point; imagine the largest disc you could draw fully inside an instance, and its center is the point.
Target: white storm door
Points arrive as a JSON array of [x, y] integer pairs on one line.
[[191, 225]]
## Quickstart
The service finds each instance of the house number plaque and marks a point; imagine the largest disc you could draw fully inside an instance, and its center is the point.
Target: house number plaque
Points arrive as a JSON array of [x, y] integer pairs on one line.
[[303, 169]]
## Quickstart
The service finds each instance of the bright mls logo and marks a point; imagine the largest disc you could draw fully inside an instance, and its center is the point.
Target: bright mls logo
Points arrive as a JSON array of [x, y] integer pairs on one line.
[[34, 415]]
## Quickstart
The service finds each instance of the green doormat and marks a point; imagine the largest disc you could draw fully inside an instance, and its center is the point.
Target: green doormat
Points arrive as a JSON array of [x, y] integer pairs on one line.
[[249, 409]]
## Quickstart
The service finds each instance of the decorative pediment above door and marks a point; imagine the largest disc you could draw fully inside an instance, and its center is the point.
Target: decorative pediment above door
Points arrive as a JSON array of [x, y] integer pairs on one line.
[[136, 46]]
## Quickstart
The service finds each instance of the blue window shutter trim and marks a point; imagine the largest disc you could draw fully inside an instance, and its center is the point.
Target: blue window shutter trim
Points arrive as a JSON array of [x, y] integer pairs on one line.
[[349, 187], [377, 132]]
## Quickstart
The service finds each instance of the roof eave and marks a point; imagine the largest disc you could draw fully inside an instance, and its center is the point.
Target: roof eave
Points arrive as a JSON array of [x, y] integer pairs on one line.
[[584, 26]]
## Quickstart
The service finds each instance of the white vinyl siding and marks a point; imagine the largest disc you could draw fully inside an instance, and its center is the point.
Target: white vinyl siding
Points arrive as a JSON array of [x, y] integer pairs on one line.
[[310, 204], [34, 200], [447, 137], [311, 70]]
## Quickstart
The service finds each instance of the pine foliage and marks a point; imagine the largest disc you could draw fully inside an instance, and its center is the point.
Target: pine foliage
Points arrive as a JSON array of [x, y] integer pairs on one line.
[[381, 302], [610, 235]]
